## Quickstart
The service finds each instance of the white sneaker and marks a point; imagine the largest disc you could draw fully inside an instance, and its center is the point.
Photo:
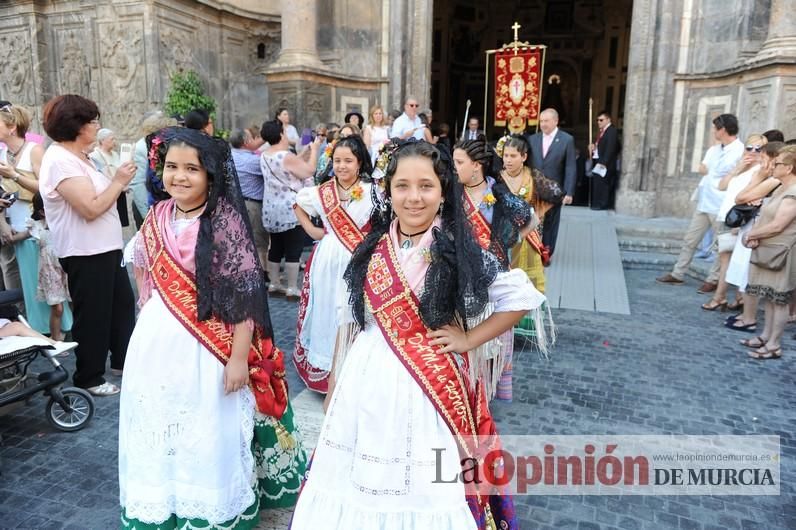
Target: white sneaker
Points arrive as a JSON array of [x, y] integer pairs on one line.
[[276, 290], [292, 294], [62, 349]]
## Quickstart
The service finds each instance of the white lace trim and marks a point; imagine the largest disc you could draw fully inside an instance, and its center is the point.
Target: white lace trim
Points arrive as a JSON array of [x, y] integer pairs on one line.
[[157, 512]]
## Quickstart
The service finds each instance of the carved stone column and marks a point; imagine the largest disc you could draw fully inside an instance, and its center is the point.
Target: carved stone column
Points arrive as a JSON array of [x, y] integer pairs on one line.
[[299, 35], [781, 41]]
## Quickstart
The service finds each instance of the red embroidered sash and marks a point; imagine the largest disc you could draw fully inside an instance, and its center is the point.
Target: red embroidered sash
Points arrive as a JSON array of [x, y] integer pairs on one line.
[[396, 309], [340, 222], [483, 230], [177, 288]]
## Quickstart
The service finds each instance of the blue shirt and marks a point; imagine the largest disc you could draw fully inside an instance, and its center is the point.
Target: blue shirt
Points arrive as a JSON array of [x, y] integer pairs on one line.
[[250, 176]]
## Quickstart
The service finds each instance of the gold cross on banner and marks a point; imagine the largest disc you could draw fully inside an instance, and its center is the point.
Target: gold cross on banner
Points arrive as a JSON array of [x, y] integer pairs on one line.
[[516, 27]]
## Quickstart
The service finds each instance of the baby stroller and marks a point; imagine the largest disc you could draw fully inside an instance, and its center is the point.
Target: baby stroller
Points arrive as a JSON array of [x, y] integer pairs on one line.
[[68, 409]]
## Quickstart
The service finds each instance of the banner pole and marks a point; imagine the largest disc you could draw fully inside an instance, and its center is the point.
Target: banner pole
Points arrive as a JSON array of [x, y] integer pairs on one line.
[[486, 94]]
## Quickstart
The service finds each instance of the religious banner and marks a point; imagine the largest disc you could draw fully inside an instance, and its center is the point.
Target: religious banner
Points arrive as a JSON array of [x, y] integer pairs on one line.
[[518, 93]]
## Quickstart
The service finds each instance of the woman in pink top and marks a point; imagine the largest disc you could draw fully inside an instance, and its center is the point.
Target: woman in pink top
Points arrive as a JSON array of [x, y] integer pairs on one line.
[[87, 237]]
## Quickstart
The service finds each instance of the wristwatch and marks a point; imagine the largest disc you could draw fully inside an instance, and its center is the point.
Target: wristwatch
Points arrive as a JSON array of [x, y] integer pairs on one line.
[[15, 178]]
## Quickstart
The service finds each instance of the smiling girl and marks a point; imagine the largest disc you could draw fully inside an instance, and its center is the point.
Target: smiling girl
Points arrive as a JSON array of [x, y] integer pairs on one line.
[[343, 202], [414, 281], [204, 422]]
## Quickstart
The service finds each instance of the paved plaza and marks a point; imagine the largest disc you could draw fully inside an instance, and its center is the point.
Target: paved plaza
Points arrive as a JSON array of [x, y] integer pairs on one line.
[[667, 368]]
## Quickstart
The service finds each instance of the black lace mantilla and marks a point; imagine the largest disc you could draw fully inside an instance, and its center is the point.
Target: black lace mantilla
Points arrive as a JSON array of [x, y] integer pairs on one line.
[[229, 279]]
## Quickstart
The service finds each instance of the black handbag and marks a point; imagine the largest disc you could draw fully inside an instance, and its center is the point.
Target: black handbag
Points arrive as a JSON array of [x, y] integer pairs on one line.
[[740, 214]]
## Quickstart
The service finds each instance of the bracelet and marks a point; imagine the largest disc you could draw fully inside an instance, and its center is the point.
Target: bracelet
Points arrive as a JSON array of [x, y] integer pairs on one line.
[[15, 178]]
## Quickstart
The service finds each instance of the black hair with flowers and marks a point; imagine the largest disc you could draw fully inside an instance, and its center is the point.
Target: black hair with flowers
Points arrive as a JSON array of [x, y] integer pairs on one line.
[[460, 273], [360, 151], [510, 214]]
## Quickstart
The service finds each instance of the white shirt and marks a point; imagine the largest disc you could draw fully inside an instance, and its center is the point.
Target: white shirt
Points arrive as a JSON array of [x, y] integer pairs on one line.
[[404, 123], [710, 197]]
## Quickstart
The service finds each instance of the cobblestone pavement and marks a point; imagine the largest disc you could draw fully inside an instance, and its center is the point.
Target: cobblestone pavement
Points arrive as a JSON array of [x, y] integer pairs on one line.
[[668, 368]]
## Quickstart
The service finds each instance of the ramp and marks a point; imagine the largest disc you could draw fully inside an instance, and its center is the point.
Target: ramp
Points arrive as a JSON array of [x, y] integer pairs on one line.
[[586, 272]]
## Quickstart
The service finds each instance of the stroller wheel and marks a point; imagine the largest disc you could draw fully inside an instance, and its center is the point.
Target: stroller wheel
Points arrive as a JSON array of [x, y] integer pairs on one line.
[[81, 406]]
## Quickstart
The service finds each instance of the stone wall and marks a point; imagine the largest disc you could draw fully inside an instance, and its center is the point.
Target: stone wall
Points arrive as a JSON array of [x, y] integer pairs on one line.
[[121, 55]]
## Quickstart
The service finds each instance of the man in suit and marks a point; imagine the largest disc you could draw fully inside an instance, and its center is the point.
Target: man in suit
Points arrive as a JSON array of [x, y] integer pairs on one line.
[[604, 153], [474, 131], [553, 153]]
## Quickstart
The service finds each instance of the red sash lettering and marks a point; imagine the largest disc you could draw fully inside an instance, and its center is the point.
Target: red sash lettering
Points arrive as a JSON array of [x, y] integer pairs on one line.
[[177, 288], [340, 222], [483, 231]]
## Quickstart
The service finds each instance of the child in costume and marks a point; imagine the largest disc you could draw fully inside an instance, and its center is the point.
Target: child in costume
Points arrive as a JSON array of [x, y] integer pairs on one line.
[[404, 388], [343, 202], [206, 432]]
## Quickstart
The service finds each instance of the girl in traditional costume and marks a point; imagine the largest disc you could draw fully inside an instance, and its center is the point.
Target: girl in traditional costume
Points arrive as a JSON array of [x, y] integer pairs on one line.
[[530, 254], [206, 433], [403, 397], [499, 220], [343, 202]]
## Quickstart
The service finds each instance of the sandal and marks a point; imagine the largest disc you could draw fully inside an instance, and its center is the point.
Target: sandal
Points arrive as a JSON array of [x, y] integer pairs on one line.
[[765, 354], [712, 305], [740, 325], [737, 305], [105, 389], [761, 342]]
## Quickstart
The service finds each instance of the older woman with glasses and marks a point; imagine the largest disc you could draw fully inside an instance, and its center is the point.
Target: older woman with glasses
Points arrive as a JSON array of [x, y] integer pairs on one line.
[[87, 237], [773, 272]]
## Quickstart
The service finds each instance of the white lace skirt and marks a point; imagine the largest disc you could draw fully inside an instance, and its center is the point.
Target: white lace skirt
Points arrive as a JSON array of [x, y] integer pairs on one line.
[[320, 326], [184, 446], [374, 466], [738, 270]]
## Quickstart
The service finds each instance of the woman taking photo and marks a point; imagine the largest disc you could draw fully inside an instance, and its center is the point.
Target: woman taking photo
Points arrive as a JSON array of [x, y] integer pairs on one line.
[[772, 275], [205, 427], [415, 280], [284, 174], [499, 221], [87, 237], [343, 202]]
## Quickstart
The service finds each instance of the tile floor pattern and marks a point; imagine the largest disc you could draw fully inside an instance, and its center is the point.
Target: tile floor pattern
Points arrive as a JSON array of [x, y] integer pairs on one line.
[[667, 368]]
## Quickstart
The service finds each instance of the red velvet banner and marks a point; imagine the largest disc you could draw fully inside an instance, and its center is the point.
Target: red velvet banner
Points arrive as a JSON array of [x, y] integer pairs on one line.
[[518, 92]]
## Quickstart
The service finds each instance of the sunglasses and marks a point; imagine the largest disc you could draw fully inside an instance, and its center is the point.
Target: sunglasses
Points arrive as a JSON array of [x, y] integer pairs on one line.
[[755, 148], [413, 105], [776, 164], [6, 108]]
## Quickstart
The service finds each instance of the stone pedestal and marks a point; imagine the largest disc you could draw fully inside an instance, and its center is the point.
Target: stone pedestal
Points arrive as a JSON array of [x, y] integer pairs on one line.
[[781, 41], [636, 203]]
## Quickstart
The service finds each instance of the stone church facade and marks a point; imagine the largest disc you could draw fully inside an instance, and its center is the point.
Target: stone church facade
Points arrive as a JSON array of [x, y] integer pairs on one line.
[[681, 63]]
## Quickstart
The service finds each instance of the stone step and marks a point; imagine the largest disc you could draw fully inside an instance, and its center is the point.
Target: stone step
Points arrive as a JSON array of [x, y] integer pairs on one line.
[[662, 261], [643, 244], [656, 228]]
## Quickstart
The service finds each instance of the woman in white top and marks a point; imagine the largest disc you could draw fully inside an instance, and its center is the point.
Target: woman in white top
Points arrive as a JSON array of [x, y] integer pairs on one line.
[[376, 133], [87, 238], [735, 181], [283, 117]]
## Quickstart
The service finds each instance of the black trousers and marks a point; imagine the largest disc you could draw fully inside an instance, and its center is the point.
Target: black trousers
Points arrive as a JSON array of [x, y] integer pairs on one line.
[[104, 311], [550, 227], [602, 191], [288, 244]]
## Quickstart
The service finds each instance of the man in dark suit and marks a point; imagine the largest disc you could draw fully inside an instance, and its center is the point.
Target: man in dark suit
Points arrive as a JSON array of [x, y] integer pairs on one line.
[[604, 153], [473, 131], [553, 153]]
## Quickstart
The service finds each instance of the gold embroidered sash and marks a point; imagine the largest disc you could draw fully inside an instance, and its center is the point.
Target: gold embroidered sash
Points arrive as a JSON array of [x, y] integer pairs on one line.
[[340, 222], [483, 230]]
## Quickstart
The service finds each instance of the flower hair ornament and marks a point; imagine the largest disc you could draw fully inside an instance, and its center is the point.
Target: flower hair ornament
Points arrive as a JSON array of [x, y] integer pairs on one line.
[[383, 160], [501, 144]]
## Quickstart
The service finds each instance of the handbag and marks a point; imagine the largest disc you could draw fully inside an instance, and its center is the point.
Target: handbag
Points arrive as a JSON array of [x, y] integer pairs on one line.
[[772, 256], [740, 214]]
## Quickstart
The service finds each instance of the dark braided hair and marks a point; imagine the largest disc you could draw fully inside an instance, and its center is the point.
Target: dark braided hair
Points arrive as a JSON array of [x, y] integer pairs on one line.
[[458, 278], [360, 151], [510, 214]]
